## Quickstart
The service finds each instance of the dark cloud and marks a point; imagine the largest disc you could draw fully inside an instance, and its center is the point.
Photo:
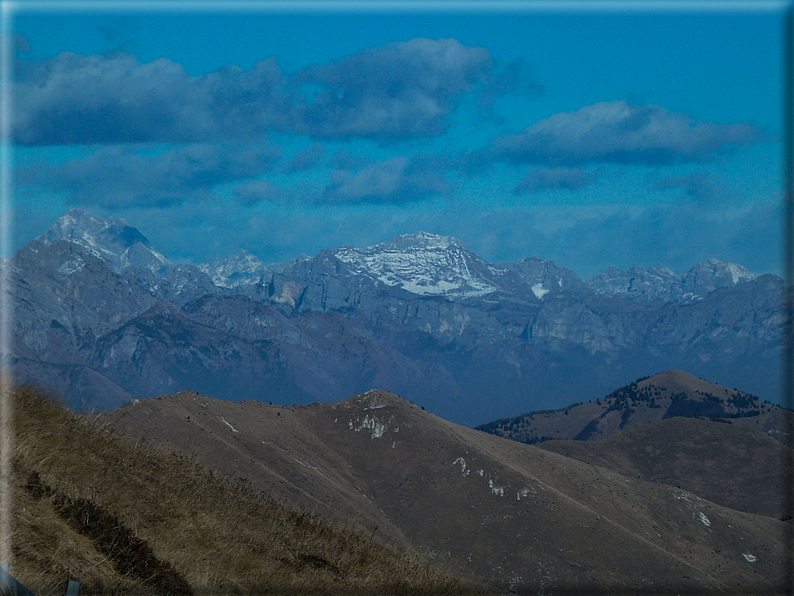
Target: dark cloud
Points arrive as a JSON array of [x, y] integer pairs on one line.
[[345, 160], [702, 188], [19, 44], [307, 159], [559, 178], [514, 78], [396, 91], [258, 191], [126, 177], [73, 99], [395, 181], [617, 132]]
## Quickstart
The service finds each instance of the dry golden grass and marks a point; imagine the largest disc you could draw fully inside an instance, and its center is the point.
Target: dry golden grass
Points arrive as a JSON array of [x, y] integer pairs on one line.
[[128, 519]]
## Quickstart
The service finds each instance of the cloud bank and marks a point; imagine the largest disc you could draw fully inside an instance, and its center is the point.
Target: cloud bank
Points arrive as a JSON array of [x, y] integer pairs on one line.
[[396, 91], [74, 100], [395, 181], [617, 133], [122, 176], [560, 178], [701, 188]]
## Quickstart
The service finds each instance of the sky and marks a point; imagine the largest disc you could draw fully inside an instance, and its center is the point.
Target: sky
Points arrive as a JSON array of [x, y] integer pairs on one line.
[[613, 136]]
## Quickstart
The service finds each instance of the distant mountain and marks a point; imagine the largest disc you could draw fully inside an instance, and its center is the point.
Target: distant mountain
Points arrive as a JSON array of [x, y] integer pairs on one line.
[[660, 283], [97, 307], [424, 264], [240, 268], [114, 239], [520, 518], [666, 395]]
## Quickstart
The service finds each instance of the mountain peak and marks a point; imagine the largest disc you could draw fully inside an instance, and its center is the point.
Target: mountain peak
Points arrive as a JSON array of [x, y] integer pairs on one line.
[[727, 272], [114, 239], [425, 264], [421, 240], [240, 268]]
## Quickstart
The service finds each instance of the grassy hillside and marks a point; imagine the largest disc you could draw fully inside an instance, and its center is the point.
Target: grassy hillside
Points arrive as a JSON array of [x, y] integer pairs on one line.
[[127, 519], [730, 465], [518, 517]]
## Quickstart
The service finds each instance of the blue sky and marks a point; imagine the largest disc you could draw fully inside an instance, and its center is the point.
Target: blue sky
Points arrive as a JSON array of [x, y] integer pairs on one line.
[[609, 137]]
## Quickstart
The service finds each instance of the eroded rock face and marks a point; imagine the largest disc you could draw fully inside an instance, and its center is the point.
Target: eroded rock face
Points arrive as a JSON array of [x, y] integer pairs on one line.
[[660, 283], [420, 315]]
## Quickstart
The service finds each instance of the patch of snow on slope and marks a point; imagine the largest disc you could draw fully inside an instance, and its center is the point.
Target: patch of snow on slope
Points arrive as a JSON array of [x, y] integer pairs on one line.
[[222, 419], [739, 274], [497, 490], [71, 266], [540, 291], [375, 427]]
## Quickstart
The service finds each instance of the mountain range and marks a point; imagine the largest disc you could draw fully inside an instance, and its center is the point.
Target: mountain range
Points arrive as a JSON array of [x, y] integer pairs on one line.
[[101, 317]]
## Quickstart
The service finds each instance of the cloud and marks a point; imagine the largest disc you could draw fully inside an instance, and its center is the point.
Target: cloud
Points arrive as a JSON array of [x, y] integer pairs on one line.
[[345, 160], [397, 91], [74, 99], [619, 133], [396, 181], [590, 241], [306, 159], [126, 177], [252, 193], [702, 188], [559, 178]]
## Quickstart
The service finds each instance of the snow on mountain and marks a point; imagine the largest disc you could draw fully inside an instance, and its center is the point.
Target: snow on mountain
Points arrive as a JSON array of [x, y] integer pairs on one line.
[[238, 269], [660, 283], [424, 264], [544, 276], [714, 274], [113, 239]]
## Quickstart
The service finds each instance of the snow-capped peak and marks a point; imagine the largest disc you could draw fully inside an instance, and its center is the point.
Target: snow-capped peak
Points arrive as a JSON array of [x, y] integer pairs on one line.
[[421, 240], [238, 269], [424, 263], [737, 273], [114, 239]]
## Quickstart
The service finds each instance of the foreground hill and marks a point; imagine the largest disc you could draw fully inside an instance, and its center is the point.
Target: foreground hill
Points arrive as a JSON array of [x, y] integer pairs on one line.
[[731, 465], [128, 520], [516, 516], [665, 395]]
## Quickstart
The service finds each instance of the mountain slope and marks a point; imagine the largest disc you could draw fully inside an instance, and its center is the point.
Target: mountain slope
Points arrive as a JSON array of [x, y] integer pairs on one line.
[[131, 520], [734, 466], [516, 516]]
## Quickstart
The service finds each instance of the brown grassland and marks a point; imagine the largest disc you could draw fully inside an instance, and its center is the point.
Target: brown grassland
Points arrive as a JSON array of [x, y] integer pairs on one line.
[[127, 518]]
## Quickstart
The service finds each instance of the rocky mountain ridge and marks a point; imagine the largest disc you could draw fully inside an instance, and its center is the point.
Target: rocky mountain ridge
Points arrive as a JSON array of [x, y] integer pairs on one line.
[[100, 315]]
